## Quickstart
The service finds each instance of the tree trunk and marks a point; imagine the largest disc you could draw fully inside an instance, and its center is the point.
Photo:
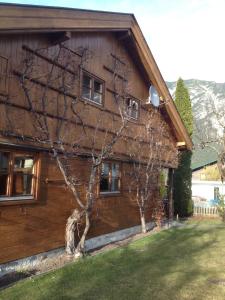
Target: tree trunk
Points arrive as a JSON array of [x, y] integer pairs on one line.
[[170, 195], [70, 229], [143, 223], [80, 249], [223, 215], [221, 165]]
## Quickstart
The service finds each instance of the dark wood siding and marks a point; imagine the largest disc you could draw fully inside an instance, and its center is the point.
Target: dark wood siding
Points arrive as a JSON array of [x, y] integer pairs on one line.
[[30, 229]]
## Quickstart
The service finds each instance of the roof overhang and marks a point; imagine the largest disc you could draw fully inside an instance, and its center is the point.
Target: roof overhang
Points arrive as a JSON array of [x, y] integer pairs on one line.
[[28, 18], [203, 166]]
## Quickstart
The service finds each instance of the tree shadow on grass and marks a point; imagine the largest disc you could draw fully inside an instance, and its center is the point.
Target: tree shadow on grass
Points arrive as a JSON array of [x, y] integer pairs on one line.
[[170, 265]]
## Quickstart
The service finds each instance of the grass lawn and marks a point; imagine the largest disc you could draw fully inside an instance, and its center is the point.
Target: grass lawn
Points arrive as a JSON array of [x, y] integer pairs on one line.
[[180, 263]]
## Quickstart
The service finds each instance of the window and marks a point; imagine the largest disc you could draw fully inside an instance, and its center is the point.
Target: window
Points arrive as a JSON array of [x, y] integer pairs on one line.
[[3, 74], [18, 175], [92, 89], [132, 108], [110, 178]]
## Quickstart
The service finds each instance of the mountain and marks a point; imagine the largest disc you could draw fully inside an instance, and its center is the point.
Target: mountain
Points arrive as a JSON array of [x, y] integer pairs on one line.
[[208, 105]]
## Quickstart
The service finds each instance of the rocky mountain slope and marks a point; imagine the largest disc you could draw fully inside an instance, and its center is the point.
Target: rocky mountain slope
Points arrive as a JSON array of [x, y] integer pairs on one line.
[[208, 104]]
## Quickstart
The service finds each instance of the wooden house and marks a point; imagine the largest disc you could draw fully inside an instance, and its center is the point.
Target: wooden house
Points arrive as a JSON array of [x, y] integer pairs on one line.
[[92, 56]]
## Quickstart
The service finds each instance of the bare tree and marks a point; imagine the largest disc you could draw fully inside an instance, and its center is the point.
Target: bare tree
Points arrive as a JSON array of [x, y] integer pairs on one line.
[[212, 136], [148, 159], [50, 81]]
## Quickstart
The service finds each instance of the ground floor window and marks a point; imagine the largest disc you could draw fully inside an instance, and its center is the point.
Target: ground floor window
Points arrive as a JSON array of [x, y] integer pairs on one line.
[[18, 175], [110, 181]]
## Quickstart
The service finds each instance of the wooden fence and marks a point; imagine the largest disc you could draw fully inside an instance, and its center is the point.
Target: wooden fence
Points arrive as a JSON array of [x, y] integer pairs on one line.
[[205, 211]]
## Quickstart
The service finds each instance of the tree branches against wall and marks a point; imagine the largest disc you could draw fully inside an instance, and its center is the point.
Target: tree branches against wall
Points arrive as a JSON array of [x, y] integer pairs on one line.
[[147, 163], [49, 82]]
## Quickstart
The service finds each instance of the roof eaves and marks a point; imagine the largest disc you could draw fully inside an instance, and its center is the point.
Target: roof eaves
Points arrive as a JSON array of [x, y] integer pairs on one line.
[[161, 85]]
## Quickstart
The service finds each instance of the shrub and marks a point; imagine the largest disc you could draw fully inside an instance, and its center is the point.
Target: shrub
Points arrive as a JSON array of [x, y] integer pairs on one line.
[[221, 206]]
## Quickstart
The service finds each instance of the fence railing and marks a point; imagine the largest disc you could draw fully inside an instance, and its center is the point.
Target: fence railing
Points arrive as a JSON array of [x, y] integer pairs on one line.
[[206, 211]]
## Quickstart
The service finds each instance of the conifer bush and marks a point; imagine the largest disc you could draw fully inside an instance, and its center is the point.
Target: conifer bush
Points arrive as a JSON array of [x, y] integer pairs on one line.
[[183, 205]]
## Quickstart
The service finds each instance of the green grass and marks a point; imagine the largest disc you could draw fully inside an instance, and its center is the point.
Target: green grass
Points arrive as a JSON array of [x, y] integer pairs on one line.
[[180, 263], [204, 220]]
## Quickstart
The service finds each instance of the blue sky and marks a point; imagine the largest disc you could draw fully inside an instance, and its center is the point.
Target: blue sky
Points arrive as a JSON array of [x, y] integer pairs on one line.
[[186, 36]]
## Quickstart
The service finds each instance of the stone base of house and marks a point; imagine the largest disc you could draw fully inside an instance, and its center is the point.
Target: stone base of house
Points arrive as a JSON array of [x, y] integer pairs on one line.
[[115, 236]]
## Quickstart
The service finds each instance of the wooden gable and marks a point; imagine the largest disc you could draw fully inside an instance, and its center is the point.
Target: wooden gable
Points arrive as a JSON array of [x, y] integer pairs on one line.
[[30, 19]]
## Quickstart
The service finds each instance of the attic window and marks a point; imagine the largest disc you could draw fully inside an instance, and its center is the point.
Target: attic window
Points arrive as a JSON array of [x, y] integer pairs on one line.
[[132, 108], [92, 88]]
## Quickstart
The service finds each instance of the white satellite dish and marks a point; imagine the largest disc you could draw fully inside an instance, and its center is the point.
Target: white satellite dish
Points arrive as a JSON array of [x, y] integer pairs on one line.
[[153, 96]]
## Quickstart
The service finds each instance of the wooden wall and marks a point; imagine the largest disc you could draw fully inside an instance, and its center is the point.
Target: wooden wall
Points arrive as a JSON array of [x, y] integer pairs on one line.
[[28, 229], [14, 105]]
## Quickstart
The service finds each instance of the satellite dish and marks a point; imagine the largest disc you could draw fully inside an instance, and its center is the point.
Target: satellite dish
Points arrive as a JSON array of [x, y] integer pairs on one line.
[[153, 96]]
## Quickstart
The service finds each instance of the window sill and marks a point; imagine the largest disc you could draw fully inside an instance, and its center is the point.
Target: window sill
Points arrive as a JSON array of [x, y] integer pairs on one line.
[[87, 100], [110, 194], [133, 120], [5, 201]]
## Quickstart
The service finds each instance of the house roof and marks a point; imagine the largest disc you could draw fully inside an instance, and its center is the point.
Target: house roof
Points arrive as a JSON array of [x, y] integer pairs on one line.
[[202, 158], [29, 18]]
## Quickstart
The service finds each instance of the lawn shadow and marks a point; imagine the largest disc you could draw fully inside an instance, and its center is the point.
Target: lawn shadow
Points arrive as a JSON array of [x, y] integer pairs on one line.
[[156, 267], [13, 277]]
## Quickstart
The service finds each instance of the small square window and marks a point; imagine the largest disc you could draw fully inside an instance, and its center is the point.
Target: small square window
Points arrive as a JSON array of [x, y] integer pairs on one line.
[[92, 89], [132, 108]]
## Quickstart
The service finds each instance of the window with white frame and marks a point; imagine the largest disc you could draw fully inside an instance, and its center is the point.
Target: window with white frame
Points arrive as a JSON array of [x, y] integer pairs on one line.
[[92, 88], [132, 108], [110, 180]]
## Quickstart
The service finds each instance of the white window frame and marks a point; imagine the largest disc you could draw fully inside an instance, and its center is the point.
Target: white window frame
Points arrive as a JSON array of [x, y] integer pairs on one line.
[[93, 79]]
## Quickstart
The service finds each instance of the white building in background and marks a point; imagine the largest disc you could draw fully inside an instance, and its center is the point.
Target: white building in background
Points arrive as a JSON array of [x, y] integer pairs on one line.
[[206, 192]]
